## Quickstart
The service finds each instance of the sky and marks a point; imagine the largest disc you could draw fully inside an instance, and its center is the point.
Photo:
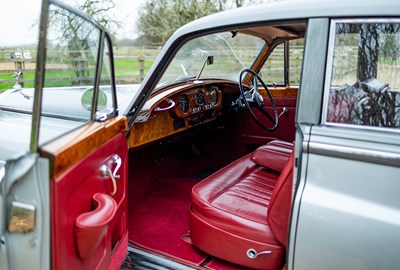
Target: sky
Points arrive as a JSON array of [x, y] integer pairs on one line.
[[18, 16]]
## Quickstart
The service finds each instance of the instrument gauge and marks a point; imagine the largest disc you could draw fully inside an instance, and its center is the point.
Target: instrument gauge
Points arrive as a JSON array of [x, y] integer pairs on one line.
[[214, 97], [200, 98], [184, 103]]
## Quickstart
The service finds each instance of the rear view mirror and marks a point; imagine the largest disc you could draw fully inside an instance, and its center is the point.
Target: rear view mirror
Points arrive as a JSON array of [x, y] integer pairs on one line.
[[210, 59]]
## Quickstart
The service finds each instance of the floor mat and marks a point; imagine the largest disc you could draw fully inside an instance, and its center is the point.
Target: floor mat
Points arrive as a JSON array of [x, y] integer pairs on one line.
[[160, 219]]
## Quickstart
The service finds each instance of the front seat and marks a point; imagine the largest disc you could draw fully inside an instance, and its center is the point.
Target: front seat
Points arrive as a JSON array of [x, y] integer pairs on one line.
[[241, 213]]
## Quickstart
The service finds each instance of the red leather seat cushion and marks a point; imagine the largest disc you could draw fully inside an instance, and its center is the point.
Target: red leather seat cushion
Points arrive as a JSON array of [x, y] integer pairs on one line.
[[236, 198], [273, 155], [280, 203], [230, 208]]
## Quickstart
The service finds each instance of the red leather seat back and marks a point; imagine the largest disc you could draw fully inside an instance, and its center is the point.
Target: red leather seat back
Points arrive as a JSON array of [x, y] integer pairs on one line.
[[279, 207]]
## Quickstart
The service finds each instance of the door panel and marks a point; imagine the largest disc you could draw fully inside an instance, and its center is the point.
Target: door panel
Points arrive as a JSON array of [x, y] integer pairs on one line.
[[350, 203], [88, 209], [24, 214], [253, 134]]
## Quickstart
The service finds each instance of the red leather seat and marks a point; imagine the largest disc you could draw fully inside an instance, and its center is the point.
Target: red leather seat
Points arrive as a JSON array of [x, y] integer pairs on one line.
[[243, 209]]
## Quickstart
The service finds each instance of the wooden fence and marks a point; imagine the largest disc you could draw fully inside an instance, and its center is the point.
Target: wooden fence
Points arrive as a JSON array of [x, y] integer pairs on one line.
[[131, 65]]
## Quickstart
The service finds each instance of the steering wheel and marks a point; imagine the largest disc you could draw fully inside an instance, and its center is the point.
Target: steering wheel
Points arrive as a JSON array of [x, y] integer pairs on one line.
[[253, 97]]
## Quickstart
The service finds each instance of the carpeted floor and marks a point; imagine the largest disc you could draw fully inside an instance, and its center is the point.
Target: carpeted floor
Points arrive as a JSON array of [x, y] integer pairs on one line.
[[159, 200], [161, 179]]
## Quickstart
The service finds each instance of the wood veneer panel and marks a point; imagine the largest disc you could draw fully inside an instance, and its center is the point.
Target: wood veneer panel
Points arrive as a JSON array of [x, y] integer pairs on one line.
[[68, 150], [280, 91], [159, 125]]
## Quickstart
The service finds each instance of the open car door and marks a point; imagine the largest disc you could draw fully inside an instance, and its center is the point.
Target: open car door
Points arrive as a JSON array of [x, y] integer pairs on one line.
[[63, 204], [88, 166]]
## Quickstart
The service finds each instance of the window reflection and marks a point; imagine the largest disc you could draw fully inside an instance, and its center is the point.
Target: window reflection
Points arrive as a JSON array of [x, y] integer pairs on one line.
[[365, 83]]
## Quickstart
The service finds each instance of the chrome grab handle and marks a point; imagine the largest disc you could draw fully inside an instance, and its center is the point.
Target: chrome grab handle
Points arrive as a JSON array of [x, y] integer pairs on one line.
[[285, 110], [104, 172], [117, 162], [172, 104], [252, 253]]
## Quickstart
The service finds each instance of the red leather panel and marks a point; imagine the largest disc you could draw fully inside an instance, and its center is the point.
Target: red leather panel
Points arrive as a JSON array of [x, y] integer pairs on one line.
[[282, 144], [273, 155], [91, 227], [230, 208], [236, 198], [279, 208], [251, 133], [232, 247], [72, 195]]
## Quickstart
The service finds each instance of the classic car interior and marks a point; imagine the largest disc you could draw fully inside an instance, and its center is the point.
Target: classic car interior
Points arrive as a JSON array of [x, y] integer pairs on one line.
[[195, 167], [211, 159]]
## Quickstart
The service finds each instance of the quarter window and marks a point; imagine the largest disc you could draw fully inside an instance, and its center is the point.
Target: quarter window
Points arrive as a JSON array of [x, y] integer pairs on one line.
[[365, 81], [273, 72]]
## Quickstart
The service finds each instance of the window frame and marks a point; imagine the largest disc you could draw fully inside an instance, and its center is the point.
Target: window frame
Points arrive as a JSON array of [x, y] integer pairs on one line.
[[40, 71], [329, 69]]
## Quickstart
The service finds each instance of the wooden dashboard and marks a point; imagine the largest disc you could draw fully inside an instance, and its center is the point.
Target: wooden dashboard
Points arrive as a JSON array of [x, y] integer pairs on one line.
[[185, 106], [178, 109]]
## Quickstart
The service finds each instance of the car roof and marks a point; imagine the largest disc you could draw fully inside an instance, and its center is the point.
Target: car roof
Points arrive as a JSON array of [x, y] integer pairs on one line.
[[292, 10]]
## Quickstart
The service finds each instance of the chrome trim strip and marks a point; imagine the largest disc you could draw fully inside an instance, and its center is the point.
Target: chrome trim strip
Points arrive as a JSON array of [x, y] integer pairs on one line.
[[99, 66], [364, 127], [39, 76], [328, 70], [108, 42], [366, 155], [2, 170]]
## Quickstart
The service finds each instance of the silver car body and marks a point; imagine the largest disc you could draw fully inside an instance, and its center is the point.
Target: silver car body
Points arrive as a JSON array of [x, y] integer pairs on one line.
[[346, 204], [346, 207]]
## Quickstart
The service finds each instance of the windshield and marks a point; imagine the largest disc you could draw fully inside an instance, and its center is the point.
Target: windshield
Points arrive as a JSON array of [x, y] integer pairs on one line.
[[231, 53]]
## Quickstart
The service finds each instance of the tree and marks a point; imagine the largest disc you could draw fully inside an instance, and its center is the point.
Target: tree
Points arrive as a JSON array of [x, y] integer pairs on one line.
[[158, 19], [100, 10], [70, 32]]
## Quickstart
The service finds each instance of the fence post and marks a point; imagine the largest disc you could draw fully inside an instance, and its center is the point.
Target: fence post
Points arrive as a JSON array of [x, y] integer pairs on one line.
[[19, 65], [141, 68]]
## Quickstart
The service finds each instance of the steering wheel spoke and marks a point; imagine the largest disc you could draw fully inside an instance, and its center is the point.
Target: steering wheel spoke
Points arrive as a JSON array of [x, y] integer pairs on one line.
[[254, 97]]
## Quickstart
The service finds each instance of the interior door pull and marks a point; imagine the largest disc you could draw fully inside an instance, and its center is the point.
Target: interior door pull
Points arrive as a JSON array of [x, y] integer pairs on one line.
[[104, 172], [91, 227], [117, 162]]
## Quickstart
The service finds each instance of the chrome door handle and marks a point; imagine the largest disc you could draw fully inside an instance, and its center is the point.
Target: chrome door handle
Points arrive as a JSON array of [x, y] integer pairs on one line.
[[104, 172], [117, 162], [253, 254], [284, 111]]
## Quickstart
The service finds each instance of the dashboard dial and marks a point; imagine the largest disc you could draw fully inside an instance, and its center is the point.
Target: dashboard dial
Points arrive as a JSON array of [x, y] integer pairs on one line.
[[184, 103], [214, 97], [200, 98]]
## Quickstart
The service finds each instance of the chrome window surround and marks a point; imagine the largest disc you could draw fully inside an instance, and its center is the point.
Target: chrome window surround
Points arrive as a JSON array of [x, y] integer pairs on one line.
[[329, 68], [104, 38]]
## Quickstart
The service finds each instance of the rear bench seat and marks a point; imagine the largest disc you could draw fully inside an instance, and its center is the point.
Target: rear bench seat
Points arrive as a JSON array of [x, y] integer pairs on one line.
[[231, 215]]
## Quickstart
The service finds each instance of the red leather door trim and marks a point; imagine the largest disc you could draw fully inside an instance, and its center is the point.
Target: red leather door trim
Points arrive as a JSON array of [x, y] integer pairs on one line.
[[91, 227], [72, 195], [252, 134]]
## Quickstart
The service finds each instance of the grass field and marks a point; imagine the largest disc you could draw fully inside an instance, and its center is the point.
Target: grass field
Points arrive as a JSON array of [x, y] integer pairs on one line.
[[126, 70]]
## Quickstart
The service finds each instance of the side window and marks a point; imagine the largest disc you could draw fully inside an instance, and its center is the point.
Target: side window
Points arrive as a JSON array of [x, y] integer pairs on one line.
[[73, 45], [365, 82], [273, 71], [296, 48]]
